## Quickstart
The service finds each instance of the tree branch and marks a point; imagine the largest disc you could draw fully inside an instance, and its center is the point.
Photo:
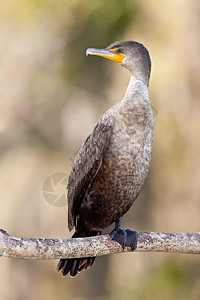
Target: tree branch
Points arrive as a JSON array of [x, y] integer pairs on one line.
[[30, 248]]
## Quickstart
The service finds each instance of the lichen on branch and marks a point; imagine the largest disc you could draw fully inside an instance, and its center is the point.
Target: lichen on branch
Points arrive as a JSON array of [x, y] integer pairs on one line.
[[41, 248]]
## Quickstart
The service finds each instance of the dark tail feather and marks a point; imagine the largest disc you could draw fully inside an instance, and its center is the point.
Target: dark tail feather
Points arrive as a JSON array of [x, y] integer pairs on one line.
[[76, 265]]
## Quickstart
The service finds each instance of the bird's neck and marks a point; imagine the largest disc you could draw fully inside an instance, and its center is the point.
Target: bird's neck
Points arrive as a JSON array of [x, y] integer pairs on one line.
[[135, 87], [135, 108]]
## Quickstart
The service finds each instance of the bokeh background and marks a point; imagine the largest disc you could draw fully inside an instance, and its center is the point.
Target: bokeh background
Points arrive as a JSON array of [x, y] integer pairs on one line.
[[51, 95]]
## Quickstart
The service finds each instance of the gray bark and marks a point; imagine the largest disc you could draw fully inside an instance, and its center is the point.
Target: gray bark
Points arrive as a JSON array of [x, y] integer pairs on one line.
[[29, 248]]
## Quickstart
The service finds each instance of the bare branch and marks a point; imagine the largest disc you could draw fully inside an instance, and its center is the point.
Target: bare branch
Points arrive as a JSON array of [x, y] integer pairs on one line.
[[29, 248]]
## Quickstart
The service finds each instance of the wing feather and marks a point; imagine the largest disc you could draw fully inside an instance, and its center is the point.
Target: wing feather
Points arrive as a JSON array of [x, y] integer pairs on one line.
[[86, 166]]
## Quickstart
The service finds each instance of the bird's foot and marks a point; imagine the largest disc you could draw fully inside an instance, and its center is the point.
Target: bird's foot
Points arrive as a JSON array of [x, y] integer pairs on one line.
[[131, 239], [119, 235], [126, 238]]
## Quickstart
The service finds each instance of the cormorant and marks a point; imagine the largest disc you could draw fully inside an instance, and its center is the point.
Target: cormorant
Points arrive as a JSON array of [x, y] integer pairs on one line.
[[111, 166]]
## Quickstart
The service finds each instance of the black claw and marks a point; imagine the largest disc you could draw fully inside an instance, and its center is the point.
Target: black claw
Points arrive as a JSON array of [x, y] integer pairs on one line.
[[132, 238]]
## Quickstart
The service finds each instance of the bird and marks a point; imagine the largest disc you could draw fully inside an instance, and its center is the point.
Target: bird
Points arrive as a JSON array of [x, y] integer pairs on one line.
[[112, 164]]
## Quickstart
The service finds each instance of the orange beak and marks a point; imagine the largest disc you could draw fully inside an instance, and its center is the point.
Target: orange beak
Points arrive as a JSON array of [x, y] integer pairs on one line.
[[109, 54]]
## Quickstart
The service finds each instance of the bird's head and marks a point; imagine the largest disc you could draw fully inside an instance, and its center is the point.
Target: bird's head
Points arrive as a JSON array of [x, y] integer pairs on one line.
[[131, 55]]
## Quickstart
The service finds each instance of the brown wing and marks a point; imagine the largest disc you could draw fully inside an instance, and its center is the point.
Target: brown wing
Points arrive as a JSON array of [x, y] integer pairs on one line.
[[85, 167]]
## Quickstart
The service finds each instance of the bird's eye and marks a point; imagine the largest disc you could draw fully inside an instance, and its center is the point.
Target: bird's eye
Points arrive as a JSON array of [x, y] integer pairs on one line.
[[119, 50]]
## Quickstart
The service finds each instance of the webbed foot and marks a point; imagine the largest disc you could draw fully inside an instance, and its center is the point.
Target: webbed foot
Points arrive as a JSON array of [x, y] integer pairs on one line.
[[131, 239], [119, 236], [126, 238]]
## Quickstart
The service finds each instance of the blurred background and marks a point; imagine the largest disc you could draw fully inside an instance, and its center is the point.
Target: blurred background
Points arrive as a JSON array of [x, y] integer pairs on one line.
[[51, 95]]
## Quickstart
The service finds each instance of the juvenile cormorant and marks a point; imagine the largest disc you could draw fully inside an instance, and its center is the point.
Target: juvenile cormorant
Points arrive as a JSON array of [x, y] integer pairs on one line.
[[111, 166]]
